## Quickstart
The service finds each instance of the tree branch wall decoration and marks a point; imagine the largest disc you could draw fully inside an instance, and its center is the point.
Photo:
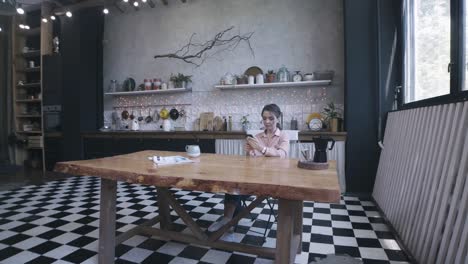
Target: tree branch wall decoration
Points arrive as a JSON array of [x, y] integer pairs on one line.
[[196, 53]]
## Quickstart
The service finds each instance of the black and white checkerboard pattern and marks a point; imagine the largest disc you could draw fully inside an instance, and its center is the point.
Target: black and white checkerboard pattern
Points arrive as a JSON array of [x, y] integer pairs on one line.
[[58, 223]]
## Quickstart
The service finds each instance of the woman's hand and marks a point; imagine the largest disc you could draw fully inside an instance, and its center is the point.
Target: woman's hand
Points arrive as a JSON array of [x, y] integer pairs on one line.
[[255, 144]]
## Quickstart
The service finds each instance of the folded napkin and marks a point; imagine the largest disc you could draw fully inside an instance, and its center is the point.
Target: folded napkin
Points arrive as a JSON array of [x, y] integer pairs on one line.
[[168, 160]]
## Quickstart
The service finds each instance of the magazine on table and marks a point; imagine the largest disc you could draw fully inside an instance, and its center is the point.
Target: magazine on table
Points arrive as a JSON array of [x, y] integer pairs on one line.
[[169, 160]]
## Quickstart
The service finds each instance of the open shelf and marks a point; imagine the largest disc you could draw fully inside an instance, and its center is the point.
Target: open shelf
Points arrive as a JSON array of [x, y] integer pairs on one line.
[[35, 69], [30, 32], [30, 54], [28, 116], [29, 85], [275, 85], [34, 148], [28, 100], [175, 90], [29, 132]]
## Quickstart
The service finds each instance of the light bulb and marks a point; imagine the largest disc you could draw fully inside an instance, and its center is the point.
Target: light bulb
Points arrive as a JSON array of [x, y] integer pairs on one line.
[[52, 17], [126, 1], [135, 4], [105, 11], [21, 26], [0, 29], [26, 27], [20, 10], [144, 1], [44, 20], [68, 14]]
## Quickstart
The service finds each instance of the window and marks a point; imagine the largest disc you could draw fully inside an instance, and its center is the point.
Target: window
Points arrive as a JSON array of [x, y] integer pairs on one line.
[[435, 51]]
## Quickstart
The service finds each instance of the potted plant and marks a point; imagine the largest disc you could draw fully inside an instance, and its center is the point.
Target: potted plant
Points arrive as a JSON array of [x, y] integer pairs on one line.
[[180, 80], [270, 76], [332, 116], [245, 122]]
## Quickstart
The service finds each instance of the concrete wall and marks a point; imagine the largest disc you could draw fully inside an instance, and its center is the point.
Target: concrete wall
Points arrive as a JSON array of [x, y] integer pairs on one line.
[[305, 35]]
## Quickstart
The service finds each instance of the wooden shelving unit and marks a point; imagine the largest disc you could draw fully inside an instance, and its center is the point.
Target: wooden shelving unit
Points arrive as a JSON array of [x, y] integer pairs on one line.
[[27, 86]]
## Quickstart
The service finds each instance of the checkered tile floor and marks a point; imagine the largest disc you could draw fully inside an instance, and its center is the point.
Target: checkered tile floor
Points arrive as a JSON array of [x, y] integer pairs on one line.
[[58, 223]]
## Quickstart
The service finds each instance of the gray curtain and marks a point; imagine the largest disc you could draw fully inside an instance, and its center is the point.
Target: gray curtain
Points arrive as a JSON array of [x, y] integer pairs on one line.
[[6, 108]]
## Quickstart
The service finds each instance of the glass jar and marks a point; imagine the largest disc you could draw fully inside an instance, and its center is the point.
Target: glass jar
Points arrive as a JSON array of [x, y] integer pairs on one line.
[[112, 86], [283, 74]]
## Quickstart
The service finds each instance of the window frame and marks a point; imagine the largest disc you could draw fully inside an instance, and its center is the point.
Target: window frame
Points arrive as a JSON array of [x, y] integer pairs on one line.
[[457, 58]]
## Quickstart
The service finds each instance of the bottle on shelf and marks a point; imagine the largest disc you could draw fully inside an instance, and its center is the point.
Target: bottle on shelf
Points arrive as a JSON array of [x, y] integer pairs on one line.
[[224, 124]]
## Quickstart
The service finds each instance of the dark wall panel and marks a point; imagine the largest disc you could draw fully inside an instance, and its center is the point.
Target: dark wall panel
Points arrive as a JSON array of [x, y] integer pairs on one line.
[[81, 51], [5, 106], [361, 91]]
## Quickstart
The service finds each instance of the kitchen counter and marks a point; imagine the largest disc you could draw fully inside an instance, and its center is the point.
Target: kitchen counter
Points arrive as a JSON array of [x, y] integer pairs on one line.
[[303, 135]]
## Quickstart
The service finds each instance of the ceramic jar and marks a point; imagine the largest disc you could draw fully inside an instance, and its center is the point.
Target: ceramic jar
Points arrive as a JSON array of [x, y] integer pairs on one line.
[[259, 79]]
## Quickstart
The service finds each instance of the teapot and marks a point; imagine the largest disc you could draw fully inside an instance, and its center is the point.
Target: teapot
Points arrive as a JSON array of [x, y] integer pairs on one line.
[[174, 114], [228, 78], [164, 113]]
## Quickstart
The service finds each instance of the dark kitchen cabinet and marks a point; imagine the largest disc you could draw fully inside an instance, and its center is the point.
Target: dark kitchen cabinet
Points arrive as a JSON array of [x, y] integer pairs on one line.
[[53, 151], [52, 79], [81, 60]]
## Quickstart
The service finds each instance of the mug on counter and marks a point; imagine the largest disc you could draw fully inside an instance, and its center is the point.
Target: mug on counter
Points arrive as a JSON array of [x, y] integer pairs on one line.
[[193, 150]]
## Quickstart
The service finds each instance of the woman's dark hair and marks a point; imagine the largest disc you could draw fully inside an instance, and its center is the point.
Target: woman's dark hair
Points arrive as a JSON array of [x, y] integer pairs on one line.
[[273, 108]]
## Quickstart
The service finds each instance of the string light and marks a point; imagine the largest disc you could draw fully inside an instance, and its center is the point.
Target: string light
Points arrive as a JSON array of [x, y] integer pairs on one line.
[[21, 26], [135, 4], [26, 27], [126, 1], [44, 20], [105, 11], [144, 1], [52, 17], [68, 14], [20, 10], [0, 29]]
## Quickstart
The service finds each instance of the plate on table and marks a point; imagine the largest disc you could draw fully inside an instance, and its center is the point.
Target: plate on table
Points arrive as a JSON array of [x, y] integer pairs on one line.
[[254, 70]]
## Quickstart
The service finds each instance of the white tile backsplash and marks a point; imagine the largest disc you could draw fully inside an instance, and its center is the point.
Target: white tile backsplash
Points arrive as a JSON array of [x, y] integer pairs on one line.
[[294, 102]]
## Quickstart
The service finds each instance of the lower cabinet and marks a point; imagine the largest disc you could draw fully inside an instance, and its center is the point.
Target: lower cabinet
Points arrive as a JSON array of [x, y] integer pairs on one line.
[[104, 147], [53, 148]]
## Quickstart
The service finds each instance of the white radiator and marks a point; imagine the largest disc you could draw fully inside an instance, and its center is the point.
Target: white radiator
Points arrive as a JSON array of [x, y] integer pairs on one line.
[[421, 182]]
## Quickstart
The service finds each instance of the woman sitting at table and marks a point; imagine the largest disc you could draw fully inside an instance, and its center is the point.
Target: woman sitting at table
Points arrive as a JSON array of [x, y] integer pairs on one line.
[[270, 143]]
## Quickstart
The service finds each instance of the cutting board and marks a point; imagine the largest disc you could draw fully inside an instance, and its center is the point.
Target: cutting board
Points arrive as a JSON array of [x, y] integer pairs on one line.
[[206, 121]]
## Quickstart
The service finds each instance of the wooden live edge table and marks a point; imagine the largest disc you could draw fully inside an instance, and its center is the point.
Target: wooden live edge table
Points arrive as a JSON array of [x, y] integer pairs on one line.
[[259, 176]]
